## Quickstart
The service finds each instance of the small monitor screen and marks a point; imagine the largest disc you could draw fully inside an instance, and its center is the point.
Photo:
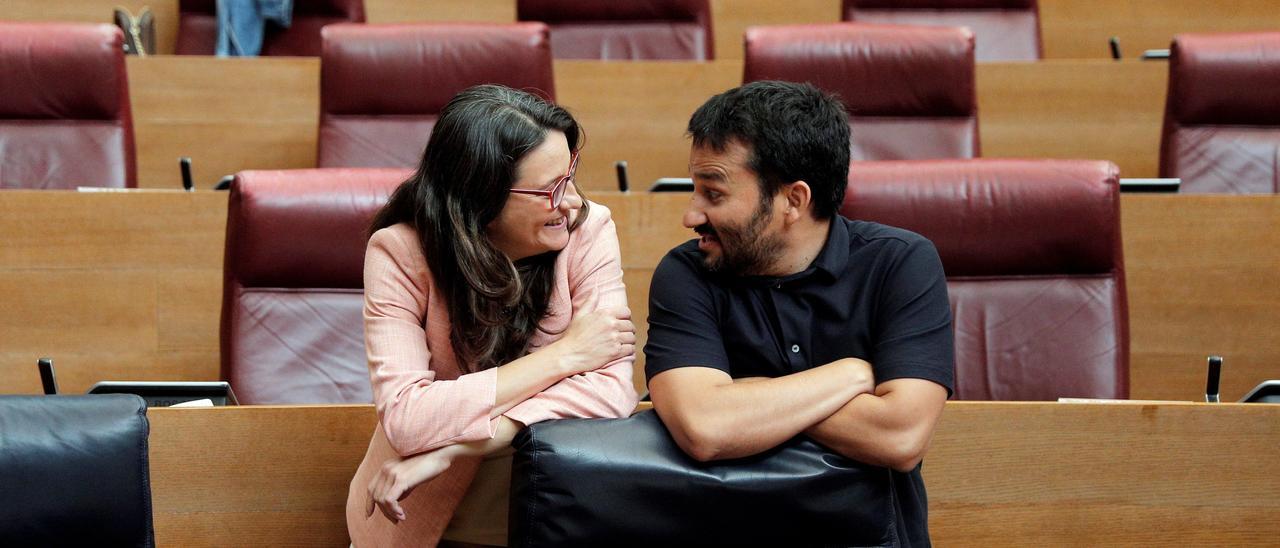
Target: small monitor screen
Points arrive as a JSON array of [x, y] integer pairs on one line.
[[672, 184], [1267, 392], [167, 393], [1150, 185]]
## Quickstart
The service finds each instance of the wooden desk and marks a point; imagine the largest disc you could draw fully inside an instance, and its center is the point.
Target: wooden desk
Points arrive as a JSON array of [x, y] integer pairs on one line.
[[731, 18], [1070, 29], [1016, 474], [262, 476], [201, 107], [113, 286], [128, 285], [1201, 273], [98, 11], [1077, 29], [411, 11], [227, 114], [1061, 109], [1093, 475], [166, 13]]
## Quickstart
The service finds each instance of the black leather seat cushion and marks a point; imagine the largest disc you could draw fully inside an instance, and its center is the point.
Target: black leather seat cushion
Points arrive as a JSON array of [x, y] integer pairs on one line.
[[73, 471], [624, 482]]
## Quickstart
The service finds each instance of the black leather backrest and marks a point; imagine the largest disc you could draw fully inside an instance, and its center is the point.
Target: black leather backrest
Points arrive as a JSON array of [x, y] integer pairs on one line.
[[73, 471], [625, 482]]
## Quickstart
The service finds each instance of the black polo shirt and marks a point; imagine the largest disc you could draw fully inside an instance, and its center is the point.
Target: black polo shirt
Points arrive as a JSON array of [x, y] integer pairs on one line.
[[874, 292]]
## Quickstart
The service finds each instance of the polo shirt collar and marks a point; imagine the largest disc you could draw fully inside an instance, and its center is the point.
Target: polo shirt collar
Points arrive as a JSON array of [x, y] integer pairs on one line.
[[834, 257]]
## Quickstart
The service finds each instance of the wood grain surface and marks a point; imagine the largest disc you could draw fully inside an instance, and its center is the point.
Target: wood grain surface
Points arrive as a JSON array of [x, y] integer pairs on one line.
[[122, 286], [98, 11], [255, 476], [409, 11], [1070, 29], [636, 112], [730, 19], [1079, 29], [1012, 474], [111, 285], [1096, 110], [226, 114]]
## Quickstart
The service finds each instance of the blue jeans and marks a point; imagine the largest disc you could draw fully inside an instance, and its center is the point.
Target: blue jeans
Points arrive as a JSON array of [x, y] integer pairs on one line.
[[242, 24]]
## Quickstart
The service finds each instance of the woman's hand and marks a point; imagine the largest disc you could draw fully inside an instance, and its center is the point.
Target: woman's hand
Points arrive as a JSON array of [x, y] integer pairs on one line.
[[596, 338], [397, 478]]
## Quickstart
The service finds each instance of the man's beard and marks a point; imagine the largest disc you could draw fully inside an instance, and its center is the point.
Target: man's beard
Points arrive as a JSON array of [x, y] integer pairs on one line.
[[744, 250]]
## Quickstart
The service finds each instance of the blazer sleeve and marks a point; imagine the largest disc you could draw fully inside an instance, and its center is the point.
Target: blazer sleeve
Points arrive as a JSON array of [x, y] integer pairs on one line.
[[418, 412], [595, 280]]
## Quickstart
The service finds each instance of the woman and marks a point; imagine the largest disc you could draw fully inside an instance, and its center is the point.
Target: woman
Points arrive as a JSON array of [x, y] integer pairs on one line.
[[493, 300]]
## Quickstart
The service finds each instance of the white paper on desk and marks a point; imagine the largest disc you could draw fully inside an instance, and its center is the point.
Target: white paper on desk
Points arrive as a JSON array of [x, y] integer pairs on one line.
[[195, 403], [1118, 402]]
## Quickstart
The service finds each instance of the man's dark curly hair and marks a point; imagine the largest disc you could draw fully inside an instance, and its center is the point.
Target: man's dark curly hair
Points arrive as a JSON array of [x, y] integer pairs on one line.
[[794, 132]]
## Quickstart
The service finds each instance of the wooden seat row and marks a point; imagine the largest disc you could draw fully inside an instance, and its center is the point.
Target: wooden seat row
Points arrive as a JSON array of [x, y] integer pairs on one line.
[[1070, 29], [128, 285], [1008, 474], [202, 108]]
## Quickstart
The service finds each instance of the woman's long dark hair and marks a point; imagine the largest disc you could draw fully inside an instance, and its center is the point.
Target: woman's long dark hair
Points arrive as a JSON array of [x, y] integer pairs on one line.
[[460, 187]]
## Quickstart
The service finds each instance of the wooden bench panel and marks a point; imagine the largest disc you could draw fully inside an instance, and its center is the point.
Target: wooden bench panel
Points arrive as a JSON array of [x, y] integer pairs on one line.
[[997, 473], [201, 107], [1070, 29], [112, 285], [1115, 475], [128, 285]]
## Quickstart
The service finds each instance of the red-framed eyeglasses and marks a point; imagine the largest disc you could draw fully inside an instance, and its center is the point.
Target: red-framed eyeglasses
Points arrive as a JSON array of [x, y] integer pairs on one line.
[[556, 193]]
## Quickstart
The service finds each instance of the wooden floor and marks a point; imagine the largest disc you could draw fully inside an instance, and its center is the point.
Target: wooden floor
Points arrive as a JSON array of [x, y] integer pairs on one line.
[[1008, 474]]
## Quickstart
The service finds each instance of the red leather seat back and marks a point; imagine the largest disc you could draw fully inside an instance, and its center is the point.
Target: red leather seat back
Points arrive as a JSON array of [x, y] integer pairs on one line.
[[198, 26], [1222, 115], [292, 299], [1003, 30], [631, 30], [65, 119], [1034, 266], [382, 87], [909, 90]]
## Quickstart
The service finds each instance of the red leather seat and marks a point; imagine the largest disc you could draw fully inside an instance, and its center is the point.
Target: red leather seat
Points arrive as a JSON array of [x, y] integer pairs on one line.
[[1222, 115], [64, 107], [382, 87], [198, 26], [292, 298], [1034, 266], [628, 31], [909, 90], [1003, 30]]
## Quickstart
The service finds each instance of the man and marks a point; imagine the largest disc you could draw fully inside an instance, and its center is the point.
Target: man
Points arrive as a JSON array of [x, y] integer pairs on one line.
[[785, 318]]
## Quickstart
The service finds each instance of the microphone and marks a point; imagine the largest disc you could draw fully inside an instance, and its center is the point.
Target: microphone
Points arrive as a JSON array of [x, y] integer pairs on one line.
[[1211, 384], [184, 164], [621, 167], [46, 376]]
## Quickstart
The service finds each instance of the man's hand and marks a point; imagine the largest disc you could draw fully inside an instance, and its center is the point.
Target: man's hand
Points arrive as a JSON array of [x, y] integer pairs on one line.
[[712, 417], [891, 427]]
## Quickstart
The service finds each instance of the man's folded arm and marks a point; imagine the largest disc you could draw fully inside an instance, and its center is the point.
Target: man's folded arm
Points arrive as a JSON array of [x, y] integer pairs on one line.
[[711, 417], [891, 427]]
